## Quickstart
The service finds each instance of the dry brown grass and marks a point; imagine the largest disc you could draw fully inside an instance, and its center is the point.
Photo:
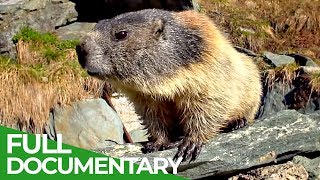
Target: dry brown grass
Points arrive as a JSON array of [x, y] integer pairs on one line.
[[283, 75], [274, 25], [315, 82], [306, 79], [32, 86]]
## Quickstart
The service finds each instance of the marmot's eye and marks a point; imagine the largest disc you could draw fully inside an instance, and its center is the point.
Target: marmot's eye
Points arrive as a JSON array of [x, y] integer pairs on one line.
[[121, 35]]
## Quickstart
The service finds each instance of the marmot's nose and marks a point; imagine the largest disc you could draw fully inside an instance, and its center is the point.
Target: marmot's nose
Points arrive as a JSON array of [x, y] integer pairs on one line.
[[82, 51], [81, 55]]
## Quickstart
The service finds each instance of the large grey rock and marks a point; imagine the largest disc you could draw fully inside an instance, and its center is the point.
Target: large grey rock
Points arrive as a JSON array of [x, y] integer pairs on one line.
[[75, 30], [282, 95], [273, 100], [311, 165], [42, 15], [312, 105], [34, 5], [88, 124], [9, 6], [278, 60], [273, 140], [10, 2]]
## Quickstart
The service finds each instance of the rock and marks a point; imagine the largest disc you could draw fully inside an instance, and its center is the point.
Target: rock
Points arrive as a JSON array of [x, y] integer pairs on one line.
[[273, 140], [280, 94], [2, 42], [41, 15], [303, 60], [273, 99], [313, 105], [75, 30], [312, 165], [282, 171], [88, 124], [65, 15], [34, 5], [10, 6], [278, 60], [10, 2], [139, 135]]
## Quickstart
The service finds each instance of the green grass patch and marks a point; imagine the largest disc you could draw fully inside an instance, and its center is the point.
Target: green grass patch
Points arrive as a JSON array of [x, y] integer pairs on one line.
[[5, 61], [43, 57], [47, 44], [29, 35]]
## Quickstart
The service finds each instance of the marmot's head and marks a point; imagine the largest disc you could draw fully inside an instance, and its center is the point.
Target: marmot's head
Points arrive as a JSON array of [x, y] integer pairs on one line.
[[139, 47]]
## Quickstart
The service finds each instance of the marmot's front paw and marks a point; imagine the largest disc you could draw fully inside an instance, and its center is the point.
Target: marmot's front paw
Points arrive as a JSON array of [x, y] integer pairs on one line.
[[188, 150], [173, 144], [235, 124], [152, 147]]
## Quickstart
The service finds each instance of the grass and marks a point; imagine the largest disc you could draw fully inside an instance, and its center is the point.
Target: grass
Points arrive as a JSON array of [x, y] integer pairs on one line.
[[44, 75], [309, 84], [315, 82], [283, 75], [45, 47], [272, 25]]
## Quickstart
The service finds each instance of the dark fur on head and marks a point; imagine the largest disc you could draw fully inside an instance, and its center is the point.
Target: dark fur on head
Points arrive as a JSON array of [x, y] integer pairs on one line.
[[155, 46]]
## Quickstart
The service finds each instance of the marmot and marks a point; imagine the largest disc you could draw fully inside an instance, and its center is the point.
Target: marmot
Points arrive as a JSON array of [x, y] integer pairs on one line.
[[186, 81]]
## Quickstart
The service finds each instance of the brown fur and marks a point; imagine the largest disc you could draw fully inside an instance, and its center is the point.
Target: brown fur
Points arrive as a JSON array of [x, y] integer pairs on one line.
[[202, 101]]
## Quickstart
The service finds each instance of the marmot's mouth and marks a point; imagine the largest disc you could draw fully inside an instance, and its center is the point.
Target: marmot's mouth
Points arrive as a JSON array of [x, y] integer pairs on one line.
[[101, 76], [96, 75], [93, 73]]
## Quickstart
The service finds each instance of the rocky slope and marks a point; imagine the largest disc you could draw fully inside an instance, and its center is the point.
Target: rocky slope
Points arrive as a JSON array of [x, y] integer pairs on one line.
[[285, 136], [42, 15]]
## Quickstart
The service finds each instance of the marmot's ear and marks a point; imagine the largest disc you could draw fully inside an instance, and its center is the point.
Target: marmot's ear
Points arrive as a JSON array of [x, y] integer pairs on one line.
[[158, 27]]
